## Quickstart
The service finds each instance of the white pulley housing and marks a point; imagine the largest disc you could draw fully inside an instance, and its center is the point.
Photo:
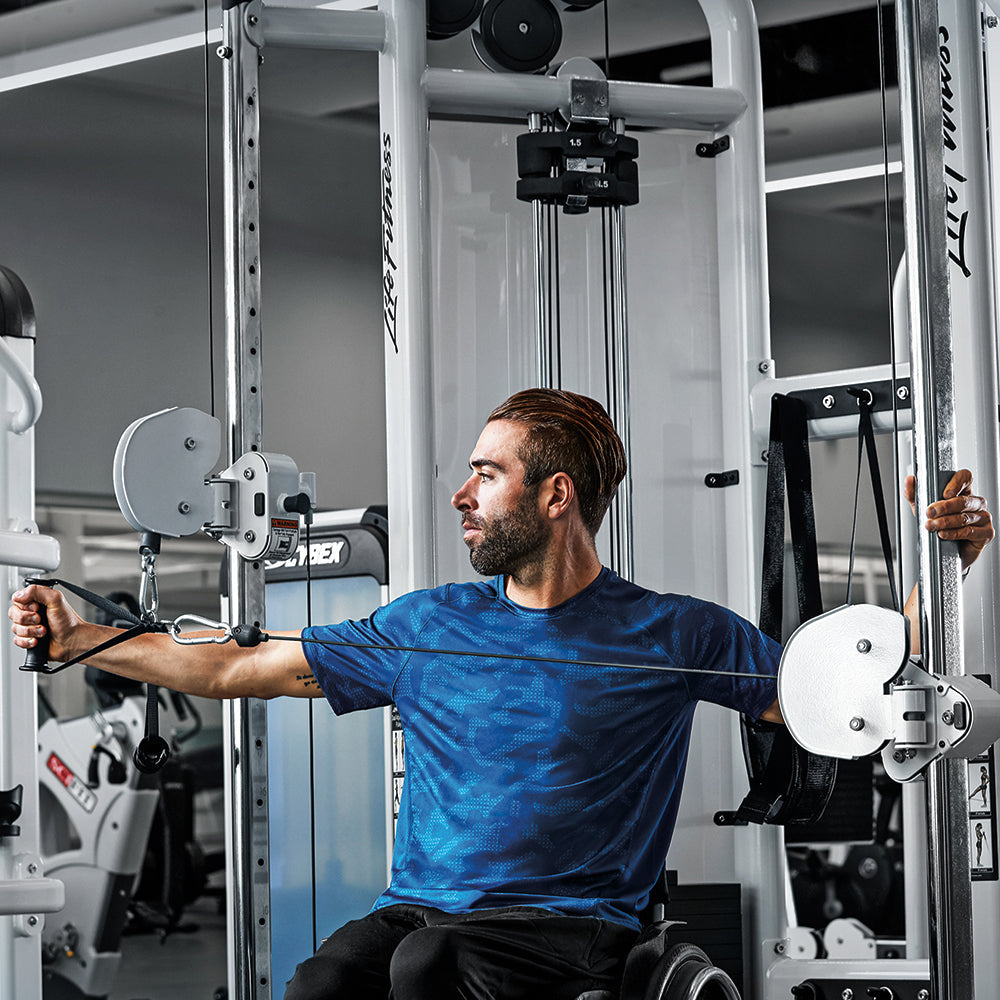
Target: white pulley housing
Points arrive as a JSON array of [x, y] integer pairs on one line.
[[163, 482]]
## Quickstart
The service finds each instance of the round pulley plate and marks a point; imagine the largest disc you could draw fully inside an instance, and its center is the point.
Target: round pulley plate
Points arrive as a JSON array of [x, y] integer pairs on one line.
[[521, 35], [446, 18], [833, 675]]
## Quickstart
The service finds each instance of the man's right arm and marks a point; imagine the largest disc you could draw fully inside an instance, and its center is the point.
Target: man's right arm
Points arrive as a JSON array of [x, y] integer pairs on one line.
[[211, 670]]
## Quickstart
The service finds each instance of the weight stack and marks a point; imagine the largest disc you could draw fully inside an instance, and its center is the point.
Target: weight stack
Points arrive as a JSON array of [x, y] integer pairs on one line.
[[712, 920]]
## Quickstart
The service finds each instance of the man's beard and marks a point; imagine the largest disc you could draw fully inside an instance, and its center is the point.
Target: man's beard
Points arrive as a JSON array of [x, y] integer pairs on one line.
[[511, 541]]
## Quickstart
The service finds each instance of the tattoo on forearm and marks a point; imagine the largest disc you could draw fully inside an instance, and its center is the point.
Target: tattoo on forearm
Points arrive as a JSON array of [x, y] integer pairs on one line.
[[308, 680]]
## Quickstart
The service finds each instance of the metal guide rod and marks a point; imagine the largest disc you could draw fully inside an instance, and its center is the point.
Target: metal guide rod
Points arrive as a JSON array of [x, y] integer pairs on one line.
[[540, 231], [622, 549], [248, 867], [939, 569]]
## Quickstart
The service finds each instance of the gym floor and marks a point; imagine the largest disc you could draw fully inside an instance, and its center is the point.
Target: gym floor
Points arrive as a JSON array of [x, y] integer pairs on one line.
[[189, 965]]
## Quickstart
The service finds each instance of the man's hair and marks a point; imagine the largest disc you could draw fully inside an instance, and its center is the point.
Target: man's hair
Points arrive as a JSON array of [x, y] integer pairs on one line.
[[570, 433]]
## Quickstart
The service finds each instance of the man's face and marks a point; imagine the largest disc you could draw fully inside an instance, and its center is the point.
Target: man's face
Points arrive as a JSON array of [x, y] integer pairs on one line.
[[504, 528]]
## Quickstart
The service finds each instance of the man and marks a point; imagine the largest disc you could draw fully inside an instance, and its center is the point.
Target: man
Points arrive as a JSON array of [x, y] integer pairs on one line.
[[542, 777]]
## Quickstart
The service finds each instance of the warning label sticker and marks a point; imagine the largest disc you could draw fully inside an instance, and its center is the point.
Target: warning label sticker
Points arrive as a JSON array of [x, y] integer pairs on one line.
[[284, 536], [77, 788]]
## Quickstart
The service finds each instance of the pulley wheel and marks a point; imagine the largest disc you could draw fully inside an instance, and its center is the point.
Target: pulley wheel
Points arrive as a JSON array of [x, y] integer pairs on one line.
[[572, 5], [446, 18], [521, 35]]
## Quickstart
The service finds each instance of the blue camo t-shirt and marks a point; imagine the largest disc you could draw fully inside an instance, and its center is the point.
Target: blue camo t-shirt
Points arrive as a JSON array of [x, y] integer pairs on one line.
[[533, 783]]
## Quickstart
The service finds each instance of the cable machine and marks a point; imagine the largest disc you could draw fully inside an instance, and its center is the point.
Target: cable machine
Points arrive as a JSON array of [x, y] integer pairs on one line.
[[727, 118]]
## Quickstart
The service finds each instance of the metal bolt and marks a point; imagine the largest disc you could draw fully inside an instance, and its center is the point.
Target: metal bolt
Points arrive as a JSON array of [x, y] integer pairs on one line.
[[252, 20], [184, 507], [948, 717], [991, 22], [857, 723], [898, 756], [847, 994], [925, 994], [868, 868], [779, 948], [764, 367], [864, 646], [828, 401], [763, 456], [249, 536], [711, 480], [248, 473], [32, 921], [902, 392], [190, 444], [524, 27], [223, 51], [32, 868]]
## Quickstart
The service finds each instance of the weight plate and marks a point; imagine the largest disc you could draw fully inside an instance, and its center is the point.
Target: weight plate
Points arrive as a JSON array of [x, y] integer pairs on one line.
[[446, 18], [521, 35]]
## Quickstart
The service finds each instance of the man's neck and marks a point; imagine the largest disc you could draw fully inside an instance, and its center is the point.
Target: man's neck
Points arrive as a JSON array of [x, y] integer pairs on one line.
[[551, 582]]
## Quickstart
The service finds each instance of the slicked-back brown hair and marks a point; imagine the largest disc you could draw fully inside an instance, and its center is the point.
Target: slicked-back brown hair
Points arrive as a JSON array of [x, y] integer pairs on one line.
[[570, 433]]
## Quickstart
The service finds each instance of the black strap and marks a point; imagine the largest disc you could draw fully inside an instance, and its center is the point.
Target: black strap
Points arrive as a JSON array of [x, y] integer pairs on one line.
[[788, 785], [866, 442]]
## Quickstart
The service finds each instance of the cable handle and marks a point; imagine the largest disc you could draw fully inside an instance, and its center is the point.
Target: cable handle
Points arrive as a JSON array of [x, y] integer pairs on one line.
[[36, 659]]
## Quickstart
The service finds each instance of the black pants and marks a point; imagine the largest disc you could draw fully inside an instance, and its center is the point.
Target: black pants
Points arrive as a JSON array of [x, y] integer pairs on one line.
[[407, 952]]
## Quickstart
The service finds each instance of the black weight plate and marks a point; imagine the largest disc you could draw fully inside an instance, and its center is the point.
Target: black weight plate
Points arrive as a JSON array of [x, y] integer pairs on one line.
[[446, 18], [521, 35]]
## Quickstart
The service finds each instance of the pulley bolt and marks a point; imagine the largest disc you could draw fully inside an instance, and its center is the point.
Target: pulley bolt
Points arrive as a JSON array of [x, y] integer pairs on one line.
[[898, 756], [864, 646], [848, 994], [184, 507], [828, 402], [32, 868], [252, 20], [857, 723], [32, 921], [190, 444], [249, 536], [764, 367], [248, 473], [223, 51], [902, 392], [524, 27], [924, 995], [948, 717]]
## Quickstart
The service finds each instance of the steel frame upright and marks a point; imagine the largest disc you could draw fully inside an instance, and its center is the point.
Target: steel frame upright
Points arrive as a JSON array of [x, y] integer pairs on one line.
[[939, 566], [245, 720], [25, 895]]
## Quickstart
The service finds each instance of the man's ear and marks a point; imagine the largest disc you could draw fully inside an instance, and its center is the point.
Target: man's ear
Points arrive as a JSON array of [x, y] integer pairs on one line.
[[557, 495]]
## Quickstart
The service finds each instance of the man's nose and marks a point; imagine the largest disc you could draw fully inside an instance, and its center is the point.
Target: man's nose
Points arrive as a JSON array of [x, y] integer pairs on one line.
[[462, 500]]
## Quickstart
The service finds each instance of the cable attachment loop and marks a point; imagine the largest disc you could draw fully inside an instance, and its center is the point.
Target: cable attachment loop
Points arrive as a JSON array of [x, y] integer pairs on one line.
[[149, 597], [176, 633]]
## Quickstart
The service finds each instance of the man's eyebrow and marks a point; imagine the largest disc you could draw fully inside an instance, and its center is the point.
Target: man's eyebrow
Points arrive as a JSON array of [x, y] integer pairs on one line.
[[485, 463]]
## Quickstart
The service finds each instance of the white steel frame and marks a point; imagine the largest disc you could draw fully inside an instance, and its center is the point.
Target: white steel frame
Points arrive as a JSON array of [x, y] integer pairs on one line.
[[25, 894]]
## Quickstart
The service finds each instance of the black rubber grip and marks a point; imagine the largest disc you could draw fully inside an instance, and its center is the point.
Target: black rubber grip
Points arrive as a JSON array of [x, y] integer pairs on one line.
[[37, 658]]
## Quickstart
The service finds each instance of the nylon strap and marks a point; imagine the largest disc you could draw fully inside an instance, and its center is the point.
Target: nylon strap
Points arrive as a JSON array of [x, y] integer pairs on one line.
[[788, 785], [866, 442]]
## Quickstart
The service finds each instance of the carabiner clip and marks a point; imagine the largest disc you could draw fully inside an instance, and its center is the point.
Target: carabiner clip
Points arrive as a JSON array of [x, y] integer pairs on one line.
[[199, 640]]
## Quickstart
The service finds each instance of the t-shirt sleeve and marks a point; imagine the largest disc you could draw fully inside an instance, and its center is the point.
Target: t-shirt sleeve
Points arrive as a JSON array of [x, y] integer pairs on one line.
[[737, 663], [352, 669]]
